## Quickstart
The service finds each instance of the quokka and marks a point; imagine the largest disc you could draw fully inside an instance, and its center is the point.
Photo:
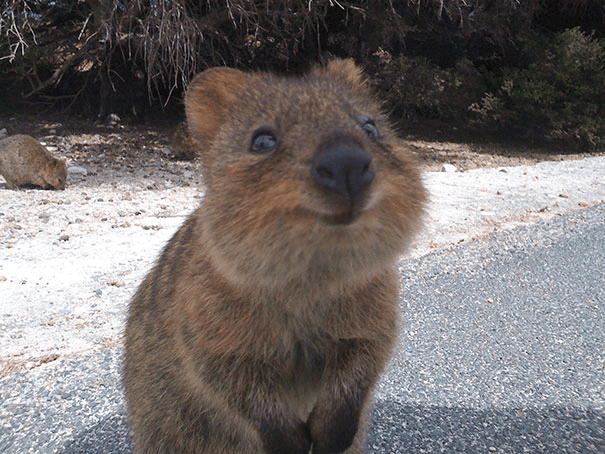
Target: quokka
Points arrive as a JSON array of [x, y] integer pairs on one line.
[[271, 313], [24, 161]]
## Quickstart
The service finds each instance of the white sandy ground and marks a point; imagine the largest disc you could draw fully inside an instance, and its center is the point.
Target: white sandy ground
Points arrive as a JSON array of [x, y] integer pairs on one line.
[[70, 260]]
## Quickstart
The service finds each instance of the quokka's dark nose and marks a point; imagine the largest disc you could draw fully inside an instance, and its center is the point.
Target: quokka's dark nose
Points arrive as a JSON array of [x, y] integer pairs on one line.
[[343, 167]]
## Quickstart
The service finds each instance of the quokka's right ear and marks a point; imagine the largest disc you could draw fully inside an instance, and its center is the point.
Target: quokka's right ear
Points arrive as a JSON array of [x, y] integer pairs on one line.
[[346, 70], [209, 98]]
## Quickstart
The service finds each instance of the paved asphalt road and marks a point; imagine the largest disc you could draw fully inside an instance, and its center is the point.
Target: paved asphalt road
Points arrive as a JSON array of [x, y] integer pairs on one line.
[[503, 351]]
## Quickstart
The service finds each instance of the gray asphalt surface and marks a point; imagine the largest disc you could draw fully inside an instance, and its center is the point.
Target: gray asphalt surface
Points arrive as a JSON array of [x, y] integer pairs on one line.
[[502, 351]]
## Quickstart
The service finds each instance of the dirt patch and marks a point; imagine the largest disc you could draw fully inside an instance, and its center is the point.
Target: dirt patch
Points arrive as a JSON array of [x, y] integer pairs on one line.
[[114, 144], [110, 144], [467, 156]]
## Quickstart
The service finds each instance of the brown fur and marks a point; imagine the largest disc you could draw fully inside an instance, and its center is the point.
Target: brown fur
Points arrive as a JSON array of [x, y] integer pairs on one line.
[[271, 313], [24, 161]]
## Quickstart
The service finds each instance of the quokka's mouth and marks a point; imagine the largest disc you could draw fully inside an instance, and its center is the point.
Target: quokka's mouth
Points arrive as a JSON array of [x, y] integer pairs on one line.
[[346, 218]]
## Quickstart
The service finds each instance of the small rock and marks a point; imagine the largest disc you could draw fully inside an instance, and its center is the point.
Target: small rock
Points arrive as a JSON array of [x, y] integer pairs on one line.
[[449, 168], [2, 278], [112, 119], [116, 283], [77, 170], [3, 133], [564, 196], [64, 238]]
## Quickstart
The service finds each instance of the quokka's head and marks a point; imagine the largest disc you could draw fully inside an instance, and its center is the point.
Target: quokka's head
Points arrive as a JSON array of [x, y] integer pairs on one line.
[[301, 172], [55, 173]]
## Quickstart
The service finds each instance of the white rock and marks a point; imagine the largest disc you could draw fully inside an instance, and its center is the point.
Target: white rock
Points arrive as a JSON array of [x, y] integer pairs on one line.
[[449, 168]]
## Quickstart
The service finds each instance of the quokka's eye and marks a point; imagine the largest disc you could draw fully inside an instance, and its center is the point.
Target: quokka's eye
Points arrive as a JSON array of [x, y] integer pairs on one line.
[[370, 128], [263, 141]]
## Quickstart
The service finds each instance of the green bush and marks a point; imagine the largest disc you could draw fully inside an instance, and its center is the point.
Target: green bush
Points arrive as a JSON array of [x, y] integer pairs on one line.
[[417, 87], [560, 95]]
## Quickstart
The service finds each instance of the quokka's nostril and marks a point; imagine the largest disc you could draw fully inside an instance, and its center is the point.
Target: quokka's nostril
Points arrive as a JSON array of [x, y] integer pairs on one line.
[[324, 173]]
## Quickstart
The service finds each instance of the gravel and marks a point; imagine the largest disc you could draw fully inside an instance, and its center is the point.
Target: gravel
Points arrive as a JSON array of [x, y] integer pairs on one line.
[[501, 350]]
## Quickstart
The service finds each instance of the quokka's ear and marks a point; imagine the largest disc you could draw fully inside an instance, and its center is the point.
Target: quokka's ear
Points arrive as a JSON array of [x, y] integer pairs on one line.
[[209, 98], [58, 163], [347, 70]]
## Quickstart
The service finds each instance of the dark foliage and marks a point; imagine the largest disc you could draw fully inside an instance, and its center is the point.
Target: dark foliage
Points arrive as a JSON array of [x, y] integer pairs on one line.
[[560, 95], [446, 60]]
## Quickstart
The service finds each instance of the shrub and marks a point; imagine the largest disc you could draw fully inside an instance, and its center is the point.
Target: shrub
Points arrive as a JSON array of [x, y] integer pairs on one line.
[[561, 95], [417, 87]]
